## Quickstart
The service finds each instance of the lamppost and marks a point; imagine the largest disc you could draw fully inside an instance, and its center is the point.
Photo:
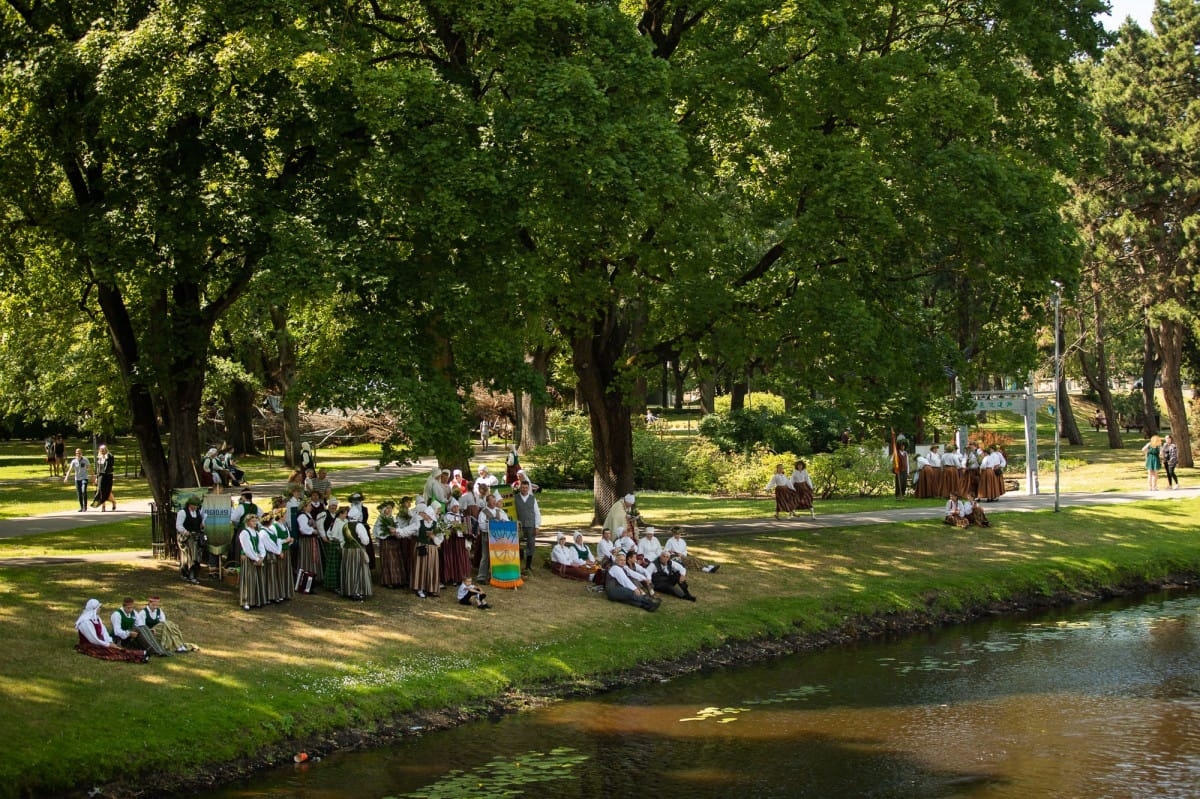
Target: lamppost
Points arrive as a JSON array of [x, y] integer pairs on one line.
[[1058, 398]]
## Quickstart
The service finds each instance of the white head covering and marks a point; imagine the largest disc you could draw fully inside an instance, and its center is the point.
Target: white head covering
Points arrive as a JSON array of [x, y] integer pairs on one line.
[[630, 499], [429, 512], [89, 614], [211, 451]]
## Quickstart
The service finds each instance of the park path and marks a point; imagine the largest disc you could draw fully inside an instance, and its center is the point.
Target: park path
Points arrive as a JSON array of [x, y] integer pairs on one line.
[[140, 508]]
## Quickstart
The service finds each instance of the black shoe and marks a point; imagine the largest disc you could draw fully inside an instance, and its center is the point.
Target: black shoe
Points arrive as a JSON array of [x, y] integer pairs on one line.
[[689, 597]]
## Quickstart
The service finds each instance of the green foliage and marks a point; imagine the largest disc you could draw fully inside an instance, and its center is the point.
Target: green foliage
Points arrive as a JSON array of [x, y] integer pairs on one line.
[[567, 459], [854, 471], [659, 464], [812, 428], [754, 400]]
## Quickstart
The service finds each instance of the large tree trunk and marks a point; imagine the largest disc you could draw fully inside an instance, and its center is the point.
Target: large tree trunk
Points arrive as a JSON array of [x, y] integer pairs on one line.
[[737, 395], [284, 376], [677, 374], [1150, 367], [1068, 427], [595, 359], [1169, 340], [1096, 372], [239, 419], [531, 416]]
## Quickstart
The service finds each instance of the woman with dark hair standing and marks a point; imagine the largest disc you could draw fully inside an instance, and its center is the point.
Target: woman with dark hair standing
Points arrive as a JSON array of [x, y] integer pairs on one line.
[[1170, 460], [104, 479]]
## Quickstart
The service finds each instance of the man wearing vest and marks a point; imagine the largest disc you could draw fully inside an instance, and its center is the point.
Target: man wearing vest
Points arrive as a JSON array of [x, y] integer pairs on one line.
[[125, 624], [189, 530], [670, 577], [529, 519]]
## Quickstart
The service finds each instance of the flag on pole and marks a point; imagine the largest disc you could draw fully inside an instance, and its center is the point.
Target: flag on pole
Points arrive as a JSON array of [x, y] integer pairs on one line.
[[895, 454]]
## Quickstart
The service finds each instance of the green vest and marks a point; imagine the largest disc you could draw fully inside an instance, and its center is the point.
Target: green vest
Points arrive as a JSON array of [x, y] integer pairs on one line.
[[128, 620], [153, 617]]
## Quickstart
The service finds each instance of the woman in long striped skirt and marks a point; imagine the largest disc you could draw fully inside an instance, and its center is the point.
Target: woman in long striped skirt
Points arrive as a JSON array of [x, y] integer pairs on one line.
[[283, 577], [786, 500], [331, 546], [356, 566], [308, 542], [252, 577], [455, 560], [426, 574], [391, 575]]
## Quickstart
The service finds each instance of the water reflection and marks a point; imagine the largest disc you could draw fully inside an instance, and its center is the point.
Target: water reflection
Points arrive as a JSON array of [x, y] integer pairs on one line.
[[1094, 703]]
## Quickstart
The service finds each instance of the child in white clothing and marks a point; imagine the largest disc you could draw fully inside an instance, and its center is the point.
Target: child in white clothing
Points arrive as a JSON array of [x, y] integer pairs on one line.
[[471, 594]]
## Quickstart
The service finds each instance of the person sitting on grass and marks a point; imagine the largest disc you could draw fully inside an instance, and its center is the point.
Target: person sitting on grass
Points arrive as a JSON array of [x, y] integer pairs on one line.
[[677, 547], [604, 548], [620, 587], [972, 511], [954, 516], [670, 577], [95, 640], [565, 561], [649, 547], [125, 628], [167, 633], [471, 594]]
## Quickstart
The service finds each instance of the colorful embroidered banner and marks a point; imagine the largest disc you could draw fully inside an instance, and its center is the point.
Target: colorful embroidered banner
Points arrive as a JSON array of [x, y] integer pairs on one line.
[[504, 549]]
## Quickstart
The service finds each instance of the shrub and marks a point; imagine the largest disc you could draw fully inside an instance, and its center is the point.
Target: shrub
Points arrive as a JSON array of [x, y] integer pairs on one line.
[[706, 466], [659, 464], [767, 402], [814, 428], [568, 459]]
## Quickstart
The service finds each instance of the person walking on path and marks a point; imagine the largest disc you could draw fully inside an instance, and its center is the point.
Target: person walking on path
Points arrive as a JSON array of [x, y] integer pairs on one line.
[[104, 480], [79, 467], [1153, 451]]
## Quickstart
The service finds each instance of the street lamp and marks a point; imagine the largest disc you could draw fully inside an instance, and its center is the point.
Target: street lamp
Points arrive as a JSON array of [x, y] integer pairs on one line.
[[1058, 398]]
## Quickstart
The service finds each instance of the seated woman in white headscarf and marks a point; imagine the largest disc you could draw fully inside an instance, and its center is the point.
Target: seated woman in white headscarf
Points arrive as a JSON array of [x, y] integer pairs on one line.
[[96, 641], [649, 547], [566, 562]]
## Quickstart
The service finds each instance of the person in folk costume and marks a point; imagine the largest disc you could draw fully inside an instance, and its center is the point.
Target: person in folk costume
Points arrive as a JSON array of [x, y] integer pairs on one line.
[[280, 571], [678, 549], [490, 512], [485, 478], [469, 504], [426, 575], [529, 520], [437, 486], [786, 499], [512, 465], [455, 559], [565, 560], [408, 519], [104, 479], [620, 587], [900, 467], [929, 474], [360, 513], [386, 532], [626, 542], [649, 546], [256, 545], [329, 526], [356, 568], [523, 476], [623, 513], [293, 506], [237, 515], [991, 481], [670, 577], [165, 632], [308, 460], [972, 458], [458, 483], [308, 542], [950, 471], [805, 490], [189, 529], [954, 516], [970, 510], [604, 548], [95, 640], [211, 467], [128, 631]]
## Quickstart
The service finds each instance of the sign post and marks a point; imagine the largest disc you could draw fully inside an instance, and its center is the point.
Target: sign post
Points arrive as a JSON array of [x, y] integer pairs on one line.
[[1026, 404]]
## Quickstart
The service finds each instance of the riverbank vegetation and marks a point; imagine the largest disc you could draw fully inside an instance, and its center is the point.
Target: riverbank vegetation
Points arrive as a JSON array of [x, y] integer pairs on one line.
[[271, 680]]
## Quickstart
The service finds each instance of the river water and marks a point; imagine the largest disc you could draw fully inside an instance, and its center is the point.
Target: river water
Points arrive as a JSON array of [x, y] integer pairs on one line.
[[1099, 701]]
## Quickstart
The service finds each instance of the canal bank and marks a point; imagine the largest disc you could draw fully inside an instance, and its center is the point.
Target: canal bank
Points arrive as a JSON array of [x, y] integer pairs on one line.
[[324, 674]]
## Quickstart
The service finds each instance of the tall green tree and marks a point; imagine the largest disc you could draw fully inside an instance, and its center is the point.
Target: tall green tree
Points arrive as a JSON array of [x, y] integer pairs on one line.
[[1146, 93], [153, 152]]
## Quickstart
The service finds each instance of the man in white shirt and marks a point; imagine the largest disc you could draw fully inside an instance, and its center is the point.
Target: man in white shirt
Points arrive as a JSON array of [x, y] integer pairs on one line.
[[620, 587]]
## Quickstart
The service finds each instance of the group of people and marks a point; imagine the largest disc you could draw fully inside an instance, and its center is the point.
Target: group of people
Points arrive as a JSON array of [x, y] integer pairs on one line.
[[80, 468], [964, 512], [974, 472], [794, 492], [135, 634], [221, 470], [1161, 453], [56, 454]]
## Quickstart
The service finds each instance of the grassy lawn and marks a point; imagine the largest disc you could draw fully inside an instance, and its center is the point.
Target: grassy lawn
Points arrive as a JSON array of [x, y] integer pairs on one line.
[[318, 662]]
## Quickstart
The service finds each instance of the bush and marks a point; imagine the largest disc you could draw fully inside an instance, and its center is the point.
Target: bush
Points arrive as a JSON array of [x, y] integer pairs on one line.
[[754, 402], [568, 459], [855, 471], [659, 464], [814, 428], [706, 466]]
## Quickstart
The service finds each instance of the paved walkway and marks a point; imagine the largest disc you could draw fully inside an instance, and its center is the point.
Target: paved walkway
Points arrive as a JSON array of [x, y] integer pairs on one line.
[[135, 508]]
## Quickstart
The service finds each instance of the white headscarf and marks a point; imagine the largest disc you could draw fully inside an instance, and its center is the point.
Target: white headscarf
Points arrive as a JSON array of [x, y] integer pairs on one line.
[[89, 614]]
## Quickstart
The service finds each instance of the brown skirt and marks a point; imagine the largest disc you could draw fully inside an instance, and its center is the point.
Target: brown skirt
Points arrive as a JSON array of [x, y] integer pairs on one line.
[[929, 483], [786, 499], [391, 569], [574, 572], [991, 485], [455, 560], [426, 574], [804, 496], [949, 481]]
